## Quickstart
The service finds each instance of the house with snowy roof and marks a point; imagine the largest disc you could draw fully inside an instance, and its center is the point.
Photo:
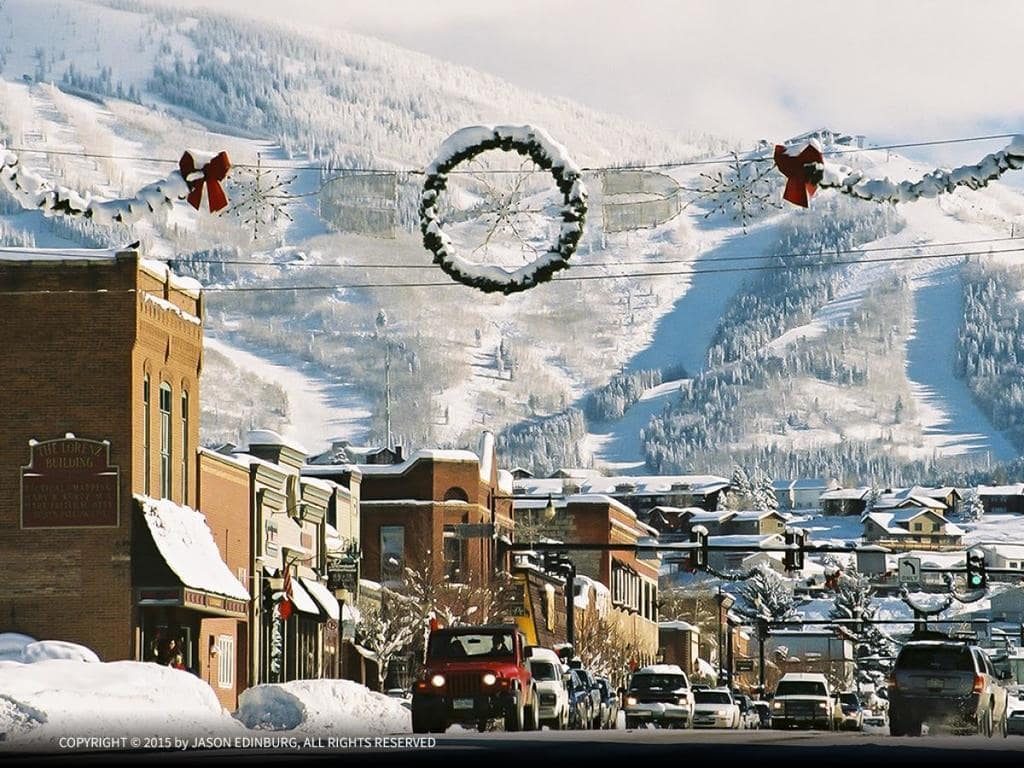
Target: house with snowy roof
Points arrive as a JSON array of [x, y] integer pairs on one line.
[[1002, 499], [1003, 554], [641, 493], [911, 526], [844, 501], [802, 493], [923, 498]]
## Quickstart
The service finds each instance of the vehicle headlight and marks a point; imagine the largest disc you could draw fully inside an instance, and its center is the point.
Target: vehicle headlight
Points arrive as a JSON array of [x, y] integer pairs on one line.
[[681, 701], [437, 681], [822, 705], [721, 712], [776, 705], [630, 701], [490, 679]]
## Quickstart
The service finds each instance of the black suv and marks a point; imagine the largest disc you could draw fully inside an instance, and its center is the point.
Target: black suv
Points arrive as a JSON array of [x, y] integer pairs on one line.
[[945, 683]]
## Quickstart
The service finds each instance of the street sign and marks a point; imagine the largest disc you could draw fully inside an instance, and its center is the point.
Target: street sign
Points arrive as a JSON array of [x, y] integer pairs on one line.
[[474, 531], [342, 574], [910, 570], [744, 665]]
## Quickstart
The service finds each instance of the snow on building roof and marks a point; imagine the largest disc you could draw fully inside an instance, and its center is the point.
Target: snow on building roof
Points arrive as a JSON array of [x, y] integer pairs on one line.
[[574, 472], [753, 540], [888, 520], [183, 538], [451, 456], [659, 484], [678, 624], [1016, 489], [60, 254], [538, 486], [845, 494], [1003, 549], [710, 517], [323, 596], [302, 600], [167, 306], [505, 484], [755, 515], [908, 497], [270, 437]]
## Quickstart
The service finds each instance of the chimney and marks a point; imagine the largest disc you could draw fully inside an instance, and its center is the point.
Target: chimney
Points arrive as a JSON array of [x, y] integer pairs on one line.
[[399, 454]]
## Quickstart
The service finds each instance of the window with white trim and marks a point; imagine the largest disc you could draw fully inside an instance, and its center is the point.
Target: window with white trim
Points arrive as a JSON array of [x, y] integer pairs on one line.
[[165, 441], [184, 448], [225, 661]]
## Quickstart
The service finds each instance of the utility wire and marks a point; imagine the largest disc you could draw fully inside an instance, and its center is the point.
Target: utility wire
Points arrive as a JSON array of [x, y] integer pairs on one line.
[[591, 169], [565, 279], [577, 265]]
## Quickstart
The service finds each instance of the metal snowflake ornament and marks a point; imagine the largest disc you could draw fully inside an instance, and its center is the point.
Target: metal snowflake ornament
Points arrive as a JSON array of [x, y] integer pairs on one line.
[[744, 191], [260, 197]]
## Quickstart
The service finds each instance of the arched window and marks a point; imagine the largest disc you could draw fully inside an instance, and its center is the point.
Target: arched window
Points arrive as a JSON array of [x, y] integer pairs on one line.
[[165, 441], [455, 494]]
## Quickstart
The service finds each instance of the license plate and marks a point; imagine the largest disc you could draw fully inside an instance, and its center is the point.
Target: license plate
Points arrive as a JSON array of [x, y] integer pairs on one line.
[[463, 704], [934, 682]]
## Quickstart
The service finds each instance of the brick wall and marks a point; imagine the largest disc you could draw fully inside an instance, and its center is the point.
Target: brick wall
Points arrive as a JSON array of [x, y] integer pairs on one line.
[[73, 362]]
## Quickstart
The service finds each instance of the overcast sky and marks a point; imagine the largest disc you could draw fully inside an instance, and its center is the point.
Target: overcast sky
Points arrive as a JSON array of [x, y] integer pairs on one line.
[[892, 69]]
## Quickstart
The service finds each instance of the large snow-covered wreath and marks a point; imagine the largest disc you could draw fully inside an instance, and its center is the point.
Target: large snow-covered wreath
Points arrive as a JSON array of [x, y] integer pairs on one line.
[[464, 145], [196, 171]]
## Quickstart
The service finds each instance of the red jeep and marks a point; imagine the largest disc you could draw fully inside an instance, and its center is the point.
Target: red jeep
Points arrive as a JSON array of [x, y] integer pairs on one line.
[[472, 675]]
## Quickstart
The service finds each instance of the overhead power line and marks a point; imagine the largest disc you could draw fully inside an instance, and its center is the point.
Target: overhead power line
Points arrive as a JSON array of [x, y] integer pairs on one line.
[[592, 169], [577, 265], [564, 279]]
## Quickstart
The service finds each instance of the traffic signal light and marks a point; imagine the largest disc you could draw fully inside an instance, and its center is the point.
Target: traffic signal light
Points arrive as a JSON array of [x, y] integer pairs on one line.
[[793, 559], [699, 555], [976, 576]]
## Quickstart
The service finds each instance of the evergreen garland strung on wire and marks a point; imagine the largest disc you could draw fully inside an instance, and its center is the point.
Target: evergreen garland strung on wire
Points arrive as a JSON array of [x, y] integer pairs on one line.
[[935, 183], [196, 172], [549, 155]]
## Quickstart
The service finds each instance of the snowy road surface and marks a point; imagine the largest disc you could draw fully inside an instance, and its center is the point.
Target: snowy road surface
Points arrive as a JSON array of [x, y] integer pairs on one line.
[[654, 747]]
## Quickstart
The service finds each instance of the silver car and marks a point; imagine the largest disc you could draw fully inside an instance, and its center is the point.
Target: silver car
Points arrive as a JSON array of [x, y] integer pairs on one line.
[[946, 683]]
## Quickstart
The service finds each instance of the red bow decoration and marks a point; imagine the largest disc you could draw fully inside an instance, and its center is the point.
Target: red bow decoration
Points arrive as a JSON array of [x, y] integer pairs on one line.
[[799, 188], [213, 173]]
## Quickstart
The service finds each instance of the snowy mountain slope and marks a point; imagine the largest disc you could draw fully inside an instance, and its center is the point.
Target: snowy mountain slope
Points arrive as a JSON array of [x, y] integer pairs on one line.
[[938, 415], [462, 360]]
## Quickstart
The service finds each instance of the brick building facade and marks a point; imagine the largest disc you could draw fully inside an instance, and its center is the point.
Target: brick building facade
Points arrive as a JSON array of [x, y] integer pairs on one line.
[[410, 512], [103, 353]]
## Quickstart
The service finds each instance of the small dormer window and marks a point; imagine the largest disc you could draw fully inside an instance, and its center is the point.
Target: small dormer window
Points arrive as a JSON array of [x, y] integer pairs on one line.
[[625, 488]]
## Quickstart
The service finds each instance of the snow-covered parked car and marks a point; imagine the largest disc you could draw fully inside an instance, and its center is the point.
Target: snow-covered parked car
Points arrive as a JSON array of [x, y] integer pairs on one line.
[[716, 708]]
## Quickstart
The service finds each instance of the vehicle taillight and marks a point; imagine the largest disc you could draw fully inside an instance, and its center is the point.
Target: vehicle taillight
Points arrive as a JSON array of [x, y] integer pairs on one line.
[[979, 684]]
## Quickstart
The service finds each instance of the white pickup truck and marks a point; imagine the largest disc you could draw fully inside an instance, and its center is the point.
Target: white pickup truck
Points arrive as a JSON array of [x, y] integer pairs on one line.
[[803, 699]]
